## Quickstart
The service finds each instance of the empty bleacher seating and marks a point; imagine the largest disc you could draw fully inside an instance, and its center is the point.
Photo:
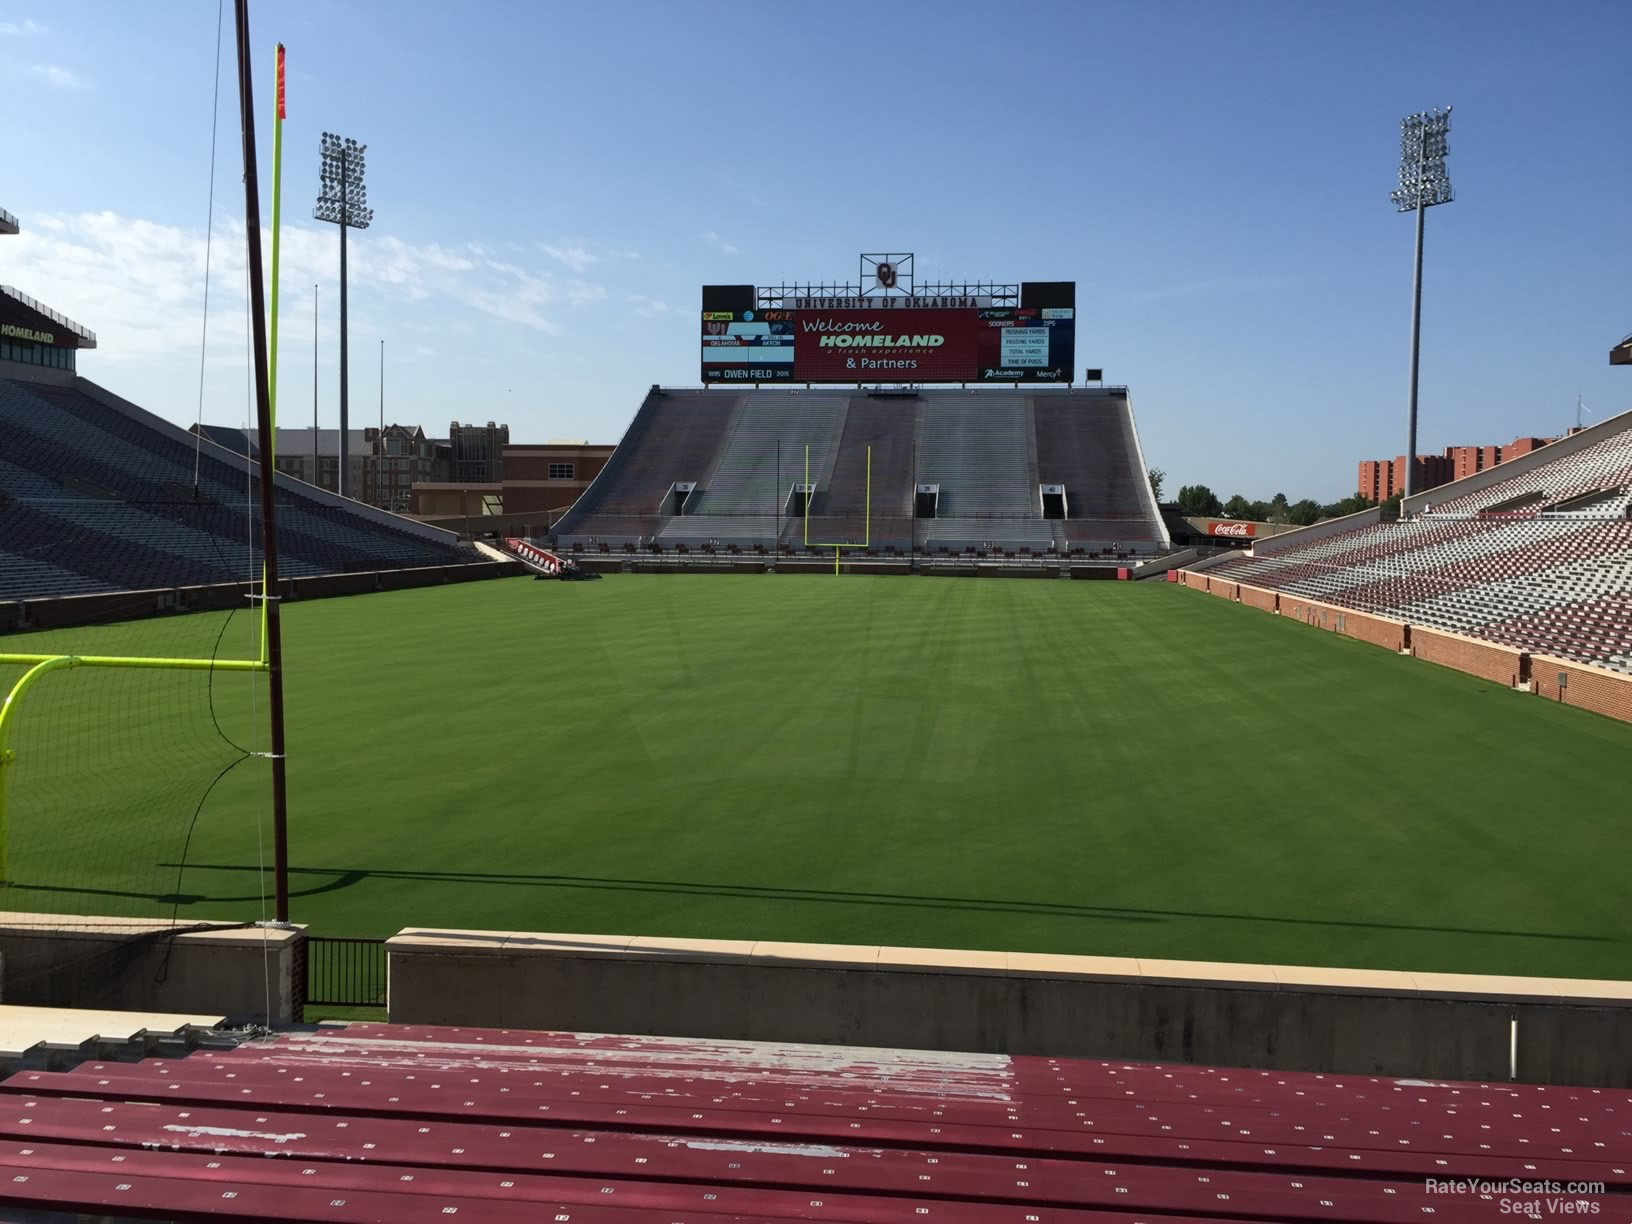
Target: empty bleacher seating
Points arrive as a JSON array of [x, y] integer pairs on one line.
[[1530, 574], [986, 450], [102, 497]]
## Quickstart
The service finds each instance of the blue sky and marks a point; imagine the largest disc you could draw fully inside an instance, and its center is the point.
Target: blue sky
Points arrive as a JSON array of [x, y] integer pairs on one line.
[[553, 183]]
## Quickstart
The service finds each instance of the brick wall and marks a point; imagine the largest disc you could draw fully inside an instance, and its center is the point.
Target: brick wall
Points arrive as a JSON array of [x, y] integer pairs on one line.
[[1591, 688], [1223, 589], [1264, 601], [1362, 626], [1500, 664]]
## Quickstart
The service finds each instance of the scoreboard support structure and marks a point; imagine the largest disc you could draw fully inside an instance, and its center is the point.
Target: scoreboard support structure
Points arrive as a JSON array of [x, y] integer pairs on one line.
[[867, 536]]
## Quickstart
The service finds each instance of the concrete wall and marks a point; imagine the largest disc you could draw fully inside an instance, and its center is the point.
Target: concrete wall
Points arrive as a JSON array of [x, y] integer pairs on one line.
[[1161, 565], [1591, 688], [133, 605], [134, 964], [1269, 1016], [1319, 531], [1501, 664]]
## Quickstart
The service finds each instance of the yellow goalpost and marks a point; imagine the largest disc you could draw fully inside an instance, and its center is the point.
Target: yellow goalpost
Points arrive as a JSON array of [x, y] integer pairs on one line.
[[41, 665], [838, 549]]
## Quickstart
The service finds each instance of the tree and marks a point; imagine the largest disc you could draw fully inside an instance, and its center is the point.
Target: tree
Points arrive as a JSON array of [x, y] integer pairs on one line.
[[1199, 500], [1303, 513], [1349, 505], [1238, 507], [1156, 477], [1258, 511]]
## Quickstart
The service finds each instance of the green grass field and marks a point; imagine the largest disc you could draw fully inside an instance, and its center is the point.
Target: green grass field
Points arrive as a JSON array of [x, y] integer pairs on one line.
[[1073, 767]]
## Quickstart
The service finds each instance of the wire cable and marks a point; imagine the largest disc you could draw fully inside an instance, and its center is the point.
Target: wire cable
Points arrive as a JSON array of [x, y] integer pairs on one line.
[[209, 235]]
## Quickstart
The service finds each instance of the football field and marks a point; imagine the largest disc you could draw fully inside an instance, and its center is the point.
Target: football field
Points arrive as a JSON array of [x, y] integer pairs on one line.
[[1111, 768]]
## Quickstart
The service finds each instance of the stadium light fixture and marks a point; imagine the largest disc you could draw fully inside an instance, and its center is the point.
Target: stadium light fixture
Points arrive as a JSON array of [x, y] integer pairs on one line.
[[342, 200], [1424, 182]]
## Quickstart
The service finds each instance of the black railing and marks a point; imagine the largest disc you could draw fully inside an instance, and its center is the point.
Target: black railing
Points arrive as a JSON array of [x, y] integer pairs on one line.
[[345, 972]]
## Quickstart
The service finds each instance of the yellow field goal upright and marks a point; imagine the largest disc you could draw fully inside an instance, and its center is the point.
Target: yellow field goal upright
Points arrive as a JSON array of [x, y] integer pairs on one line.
[[867, 537], [41, 665]]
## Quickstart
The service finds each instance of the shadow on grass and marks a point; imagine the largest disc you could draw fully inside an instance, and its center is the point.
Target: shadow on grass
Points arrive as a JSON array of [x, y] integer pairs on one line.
[[347, 877]]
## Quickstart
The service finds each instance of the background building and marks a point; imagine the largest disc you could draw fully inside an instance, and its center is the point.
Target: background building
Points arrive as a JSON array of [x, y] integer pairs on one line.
[[538, 484], [399, 457], [383, 466], [551, 476], [1380, 479], [477, 452]]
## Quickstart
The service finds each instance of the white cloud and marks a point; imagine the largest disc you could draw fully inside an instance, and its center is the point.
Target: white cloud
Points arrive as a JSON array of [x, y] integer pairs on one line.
[[20, 29], [59, 77], [648, 307], [140, 285], [575, 256], [714, 240]]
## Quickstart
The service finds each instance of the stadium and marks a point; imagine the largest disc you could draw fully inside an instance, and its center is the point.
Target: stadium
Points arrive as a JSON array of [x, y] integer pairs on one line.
[[808, 852]]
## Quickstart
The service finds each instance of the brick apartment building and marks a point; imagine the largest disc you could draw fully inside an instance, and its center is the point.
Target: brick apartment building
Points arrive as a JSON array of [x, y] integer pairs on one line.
[[1380, 479]]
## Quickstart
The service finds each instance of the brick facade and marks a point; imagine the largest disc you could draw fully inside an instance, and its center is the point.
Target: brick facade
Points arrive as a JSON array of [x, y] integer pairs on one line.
[[1500, 664], [1591, 688], [1377, 630], [1380, 479], [1264, 601]]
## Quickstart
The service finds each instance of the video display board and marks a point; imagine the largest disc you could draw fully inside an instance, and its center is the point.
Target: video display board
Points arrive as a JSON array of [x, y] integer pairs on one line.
[[894, 340]]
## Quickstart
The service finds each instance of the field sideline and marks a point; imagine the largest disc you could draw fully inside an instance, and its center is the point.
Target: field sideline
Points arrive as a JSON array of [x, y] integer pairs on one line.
[[1120, 769]]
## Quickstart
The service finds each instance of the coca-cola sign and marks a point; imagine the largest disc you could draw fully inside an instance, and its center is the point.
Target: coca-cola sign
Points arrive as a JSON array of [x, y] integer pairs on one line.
[[1242, 531]]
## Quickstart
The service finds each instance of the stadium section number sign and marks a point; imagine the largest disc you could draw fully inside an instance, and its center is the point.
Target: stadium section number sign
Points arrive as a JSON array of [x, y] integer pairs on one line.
[[900, 339]]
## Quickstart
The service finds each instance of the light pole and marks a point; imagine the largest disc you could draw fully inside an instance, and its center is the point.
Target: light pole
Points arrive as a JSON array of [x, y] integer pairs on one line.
[[317, 479], [343, 200], [1424, 182]]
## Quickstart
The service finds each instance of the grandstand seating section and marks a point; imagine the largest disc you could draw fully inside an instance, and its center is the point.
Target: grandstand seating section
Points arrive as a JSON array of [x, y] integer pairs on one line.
[[987, 450], [97, 498], [419, 1122], [1554, 576]]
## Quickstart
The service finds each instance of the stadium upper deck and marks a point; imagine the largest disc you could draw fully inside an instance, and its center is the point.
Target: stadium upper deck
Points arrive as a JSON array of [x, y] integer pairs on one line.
[[1040, 469]]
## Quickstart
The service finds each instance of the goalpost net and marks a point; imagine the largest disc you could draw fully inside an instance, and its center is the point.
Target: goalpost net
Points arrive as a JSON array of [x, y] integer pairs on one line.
[[123, 742], [127, 756]]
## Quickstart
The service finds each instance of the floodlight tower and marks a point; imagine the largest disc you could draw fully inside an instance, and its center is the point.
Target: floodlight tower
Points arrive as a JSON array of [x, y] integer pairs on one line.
[[1424, 182], [343, 200]]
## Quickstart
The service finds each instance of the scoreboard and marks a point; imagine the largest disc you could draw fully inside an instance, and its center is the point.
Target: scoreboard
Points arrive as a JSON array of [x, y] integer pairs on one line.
[[889, 339]]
